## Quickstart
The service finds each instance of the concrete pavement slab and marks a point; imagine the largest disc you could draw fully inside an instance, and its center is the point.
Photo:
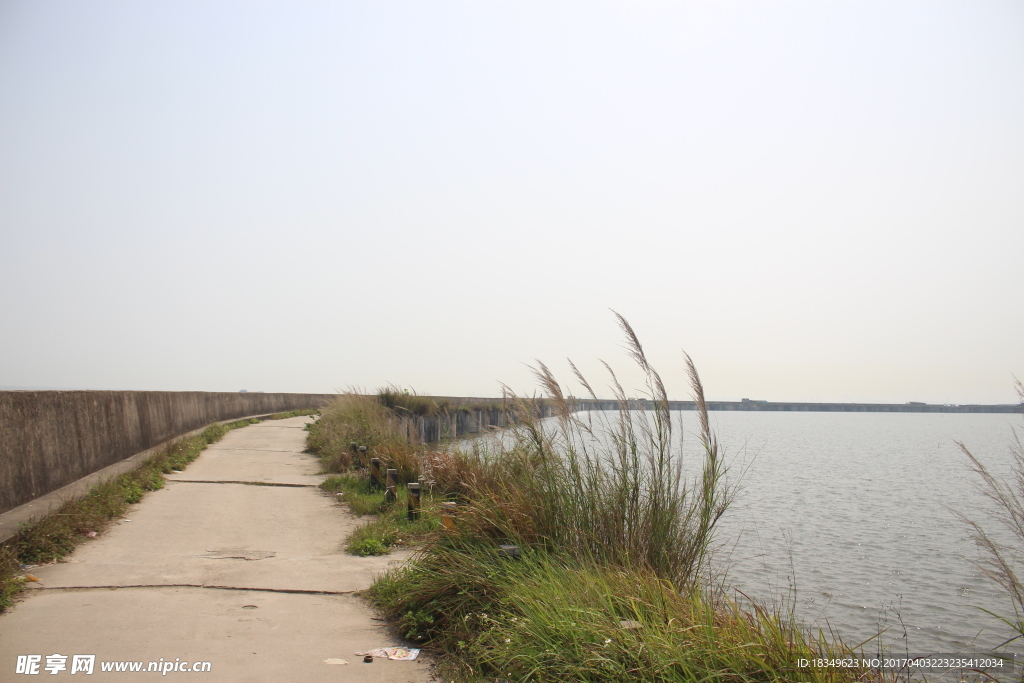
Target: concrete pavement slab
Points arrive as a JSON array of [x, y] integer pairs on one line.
[[224, 535], [268, 452], [252, 578], [246, 636]]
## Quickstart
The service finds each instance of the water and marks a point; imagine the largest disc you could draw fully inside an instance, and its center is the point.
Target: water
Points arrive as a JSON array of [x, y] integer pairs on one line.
[[848, 516]]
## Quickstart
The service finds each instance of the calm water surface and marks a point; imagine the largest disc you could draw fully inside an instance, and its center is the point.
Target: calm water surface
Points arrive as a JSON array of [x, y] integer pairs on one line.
[[849, 517], [849, 514]]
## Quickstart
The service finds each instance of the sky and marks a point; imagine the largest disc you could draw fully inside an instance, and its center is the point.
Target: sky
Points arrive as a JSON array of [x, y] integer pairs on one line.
[[818, 201]]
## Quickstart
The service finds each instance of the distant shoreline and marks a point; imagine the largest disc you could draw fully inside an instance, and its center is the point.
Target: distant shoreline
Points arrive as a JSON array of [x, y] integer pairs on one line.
[[580, 404], [786, 406]]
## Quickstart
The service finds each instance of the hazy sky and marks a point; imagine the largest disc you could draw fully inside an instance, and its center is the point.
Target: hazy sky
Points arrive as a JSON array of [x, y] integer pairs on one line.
[[817, 200]]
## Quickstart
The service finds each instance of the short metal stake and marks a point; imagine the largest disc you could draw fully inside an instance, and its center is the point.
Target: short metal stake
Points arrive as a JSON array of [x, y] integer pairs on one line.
[[448, 515], [391, 492], [414, 501], [375, 473]]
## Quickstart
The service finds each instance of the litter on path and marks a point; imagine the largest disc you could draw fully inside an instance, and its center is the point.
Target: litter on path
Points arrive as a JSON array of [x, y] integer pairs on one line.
[[334, 660], [397, 653]]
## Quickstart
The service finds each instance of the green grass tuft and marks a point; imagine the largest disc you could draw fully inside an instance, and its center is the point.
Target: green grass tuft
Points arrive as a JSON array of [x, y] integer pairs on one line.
[[544, 619], [390, 527], [356, 491], [368, 546]]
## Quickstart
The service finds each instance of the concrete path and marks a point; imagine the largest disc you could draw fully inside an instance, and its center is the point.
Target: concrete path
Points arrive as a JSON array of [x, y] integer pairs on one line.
[[251, 577]]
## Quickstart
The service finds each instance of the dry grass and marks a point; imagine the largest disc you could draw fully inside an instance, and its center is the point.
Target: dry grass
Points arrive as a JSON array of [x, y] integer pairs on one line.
[[628, 506], [354, 418], [385, 428], [408, 402]]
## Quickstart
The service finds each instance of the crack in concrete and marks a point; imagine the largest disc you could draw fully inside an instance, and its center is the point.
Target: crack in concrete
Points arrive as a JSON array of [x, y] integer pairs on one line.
[[251, 450], [297, 591], [237, 554], [247, 483]]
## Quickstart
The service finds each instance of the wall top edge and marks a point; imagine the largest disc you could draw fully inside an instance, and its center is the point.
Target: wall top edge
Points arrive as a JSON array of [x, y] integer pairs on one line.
[[158, 391]]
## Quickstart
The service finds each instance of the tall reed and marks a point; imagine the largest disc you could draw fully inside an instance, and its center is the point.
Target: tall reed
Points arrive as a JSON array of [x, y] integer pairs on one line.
[[608, 490], [613, 535], [1001, 561]]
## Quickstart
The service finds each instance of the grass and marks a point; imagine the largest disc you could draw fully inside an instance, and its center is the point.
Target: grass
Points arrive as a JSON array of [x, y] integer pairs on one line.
[[56, 535], [355, 419], [362, 499], [352, 418], [390, 528], [408, 401], [544, 618], [555, 485], [388, 425], [613, 582]]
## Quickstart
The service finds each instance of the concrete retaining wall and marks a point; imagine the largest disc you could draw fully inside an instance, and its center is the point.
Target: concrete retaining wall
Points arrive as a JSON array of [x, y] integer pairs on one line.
[[49, 439], [471, 420]]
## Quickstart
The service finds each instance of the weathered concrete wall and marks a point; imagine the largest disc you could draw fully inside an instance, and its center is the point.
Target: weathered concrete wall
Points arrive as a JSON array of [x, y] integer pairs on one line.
[[49, 439], [467, 420], [464, 416]]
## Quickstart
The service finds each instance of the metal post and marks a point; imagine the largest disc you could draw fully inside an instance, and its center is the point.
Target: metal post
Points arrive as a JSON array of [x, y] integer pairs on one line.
[[414, 501], [391, 493], [375, 473], [448, 516]]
